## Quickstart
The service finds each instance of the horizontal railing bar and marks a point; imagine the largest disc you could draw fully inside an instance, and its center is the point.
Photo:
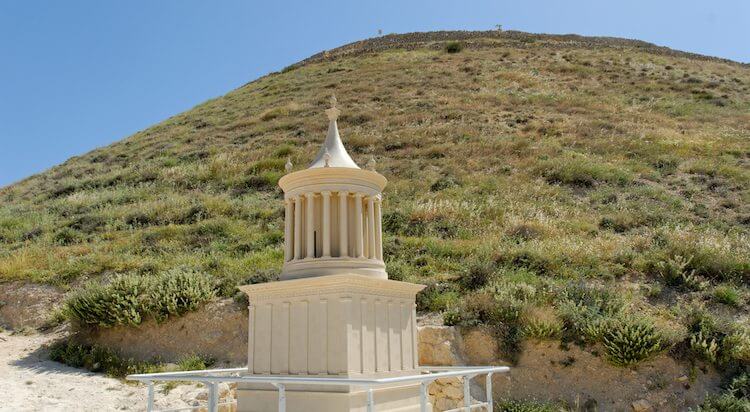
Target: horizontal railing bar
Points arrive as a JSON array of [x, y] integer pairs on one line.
[[463, 408], [178, 373], [275, 379], [191, 408]]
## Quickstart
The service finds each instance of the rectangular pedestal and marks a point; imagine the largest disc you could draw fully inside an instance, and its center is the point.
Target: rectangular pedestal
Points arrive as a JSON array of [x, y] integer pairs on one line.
[[403, 398], [337, 326]]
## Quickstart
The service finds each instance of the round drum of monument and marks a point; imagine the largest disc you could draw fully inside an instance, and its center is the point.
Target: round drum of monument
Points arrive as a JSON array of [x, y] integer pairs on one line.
[[332, 220]]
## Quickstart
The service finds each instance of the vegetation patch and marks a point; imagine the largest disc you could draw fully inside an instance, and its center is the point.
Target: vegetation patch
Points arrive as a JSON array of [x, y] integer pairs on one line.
[[630, 341], [130, 299], [109, 362], [528, 405]]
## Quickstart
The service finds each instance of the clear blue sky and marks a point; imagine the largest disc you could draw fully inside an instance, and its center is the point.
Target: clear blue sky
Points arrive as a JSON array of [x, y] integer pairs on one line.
[[76, 75]]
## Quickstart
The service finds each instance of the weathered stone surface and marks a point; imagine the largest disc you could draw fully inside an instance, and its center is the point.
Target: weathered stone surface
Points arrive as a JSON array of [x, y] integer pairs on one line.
[[27, 304], [479, 347], [437, 346], [219, 331], [641, 405], [547, 371]]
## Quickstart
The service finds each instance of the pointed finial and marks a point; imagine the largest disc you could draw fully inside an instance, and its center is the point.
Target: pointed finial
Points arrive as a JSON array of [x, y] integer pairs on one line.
[[371, 163], [327, 158], [288, 166], [333, 113]]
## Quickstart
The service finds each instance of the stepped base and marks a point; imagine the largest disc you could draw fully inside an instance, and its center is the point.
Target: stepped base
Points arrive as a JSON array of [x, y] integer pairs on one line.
[[402, 398]]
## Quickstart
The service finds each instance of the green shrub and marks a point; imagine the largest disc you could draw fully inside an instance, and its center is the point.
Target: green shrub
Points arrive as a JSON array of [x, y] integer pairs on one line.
[[628, 341], [541, 325], [67, 236], [453, 47], [436, 297], [598, 299], [104, 360], [728, 295], [266, 165], [194, 363], [739, 387], [511, 405], [264, 181], [478, 274], [444, 182], [705, 346], [578, 171], [98, 359], [121, 302], [675, 272], [283, 151], [735, 347], [130, 299], [724, 403], [177, 292]]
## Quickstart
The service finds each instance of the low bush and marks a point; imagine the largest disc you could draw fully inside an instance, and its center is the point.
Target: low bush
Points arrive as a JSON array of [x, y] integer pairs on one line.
[[453, 47], [178, 291], [437, 297], [578, 171], [728, 295], [121, 302], [478, 274], [736, 347], [98, 359], [109, 362], [541, 325], [739, 387], [628, 341], [512, 405], [706, 346], [129, 299], [724, 403], [675, 272]]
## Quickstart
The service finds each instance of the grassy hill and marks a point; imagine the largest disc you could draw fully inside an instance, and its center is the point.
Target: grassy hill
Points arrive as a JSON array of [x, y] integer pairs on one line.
[[528, 172]]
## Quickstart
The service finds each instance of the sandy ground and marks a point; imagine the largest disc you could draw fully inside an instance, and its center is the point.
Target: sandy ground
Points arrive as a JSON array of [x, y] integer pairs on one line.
[[29, 381]]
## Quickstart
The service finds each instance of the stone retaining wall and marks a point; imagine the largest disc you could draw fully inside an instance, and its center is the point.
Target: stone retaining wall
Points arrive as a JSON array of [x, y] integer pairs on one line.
[[27, 305], [544, 370], [218, 331]]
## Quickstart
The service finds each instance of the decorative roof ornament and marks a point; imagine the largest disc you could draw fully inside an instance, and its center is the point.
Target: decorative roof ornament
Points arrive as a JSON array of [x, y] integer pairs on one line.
[[333, 153], [288, 166], [371, 163], [333, 113]]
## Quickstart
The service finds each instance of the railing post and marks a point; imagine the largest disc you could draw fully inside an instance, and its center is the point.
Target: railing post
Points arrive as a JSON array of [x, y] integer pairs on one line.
[[370, 401], [488, 387], [213, 397], [423, 396], [467, 393], [150, 405], [282, 397]]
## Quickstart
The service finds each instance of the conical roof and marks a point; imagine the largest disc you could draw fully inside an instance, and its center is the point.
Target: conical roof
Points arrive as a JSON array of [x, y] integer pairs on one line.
[[333, 153]]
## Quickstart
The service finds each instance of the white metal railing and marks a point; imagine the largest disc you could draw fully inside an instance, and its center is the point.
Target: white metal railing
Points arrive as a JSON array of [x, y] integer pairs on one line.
[[213, 377]]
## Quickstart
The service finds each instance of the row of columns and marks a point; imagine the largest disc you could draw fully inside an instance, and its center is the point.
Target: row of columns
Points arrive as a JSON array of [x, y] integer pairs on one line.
[[370, 247]]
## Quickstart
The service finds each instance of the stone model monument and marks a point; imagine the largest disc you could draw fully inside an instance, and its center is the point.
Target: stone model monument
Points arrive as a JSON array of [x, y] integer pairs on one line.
[[334, 312]]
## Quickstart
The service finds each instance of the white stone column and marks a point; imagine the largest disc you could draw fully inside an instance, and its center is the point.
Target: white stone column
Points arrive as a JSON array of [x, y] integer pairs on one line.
[[326, 224], [343, 224], [378, 228], [371, 227], [358, 236], [288, 245], [309, 231], [297, 227]]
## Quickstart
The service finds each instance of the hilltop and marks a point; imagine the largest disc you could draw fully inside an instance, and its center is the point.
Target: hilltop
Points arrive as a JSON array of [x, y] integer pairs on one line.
[[529, 175]]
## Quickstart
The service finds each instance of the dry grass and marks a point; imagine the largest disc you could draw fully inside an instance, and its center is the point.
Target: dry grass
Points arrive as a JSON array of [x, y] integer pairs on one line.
[[562, 161]]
